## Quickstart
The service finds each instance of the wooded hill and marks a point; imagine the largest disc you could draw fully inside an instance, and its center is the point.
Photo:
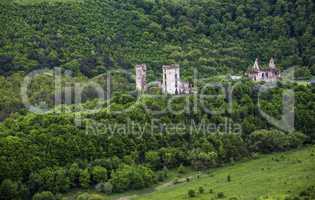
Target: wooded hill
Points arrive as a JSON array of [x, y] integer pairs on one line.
[[215, 36]]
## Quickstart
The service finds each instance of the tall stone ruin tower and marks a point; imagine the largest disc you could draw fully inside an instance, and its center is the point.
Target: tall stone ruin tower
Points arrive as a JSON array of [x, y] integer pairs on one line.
[[171, 79], [141, 77]]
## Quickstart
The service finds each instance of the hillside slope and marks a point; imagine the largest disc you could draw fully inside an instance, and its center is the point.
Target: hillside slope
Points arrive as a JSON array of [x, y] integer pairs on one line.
[[274, 175], [278, 175], [215, 36]]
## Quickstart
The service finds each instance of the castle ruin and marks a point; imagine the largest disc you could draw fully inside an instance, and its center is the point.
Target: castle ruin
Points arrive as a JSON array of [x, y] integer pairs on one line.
[[256, 73], [171, 84], [141, 77]]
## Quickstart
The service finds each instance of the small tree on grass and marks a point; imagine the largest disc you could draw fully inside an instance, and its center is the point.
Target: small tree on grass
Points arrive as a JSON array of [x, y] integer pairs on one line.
[[229, 178], [201, 190], [221, 195], [191, 193], [181, 169], [106, 188], [162, 175], [44, 196]]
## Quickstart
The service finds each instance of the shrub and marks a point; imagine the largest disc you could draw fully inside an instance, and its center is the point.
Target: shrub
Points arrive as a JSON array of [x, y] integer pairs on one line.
[[229, 178], [86, 196], [74, 174], [201, 190], [309, 193], [44, 196], [220, 195], [85, 179], [8, 189], [267, 141], [176, 181], [202, 160], [99, 174], [191, 193], [181, 169], [50, 179], [132, 177], [161, 176], [106, 188]]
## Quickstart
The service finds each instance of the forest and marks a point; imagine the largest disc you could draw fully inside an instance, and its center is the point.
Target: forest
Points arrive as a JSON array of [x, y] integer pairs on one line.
[[41, 153], [44, 156], [91, 36]]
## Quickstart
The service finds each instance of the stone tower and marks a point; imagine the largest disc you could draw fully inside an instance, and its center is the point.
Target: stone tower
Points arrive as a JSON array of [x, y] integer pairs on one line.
[[256, 65], [272, 64], [141, 77], [171, 79]]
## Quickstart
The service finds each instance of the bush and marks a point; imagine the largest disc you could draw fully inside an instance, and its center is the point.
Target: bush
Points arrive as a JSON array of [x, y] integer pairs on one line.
[[181, 169], [229, 178], [162, 175], [191, 193], [46, 195], [74, 174], [99, 174], [267, 141], [220, 195], [132, 178], [50, 179], [86, 196], [309, 193], [202, 160], [8, 190], [85, 179], [201, 190], [106, 188]]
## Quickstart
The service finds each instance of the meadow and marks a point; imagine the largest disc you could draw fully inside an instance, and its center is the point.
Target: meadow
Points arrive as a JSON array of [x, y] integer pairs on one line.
[[272, 175], [276, 175]]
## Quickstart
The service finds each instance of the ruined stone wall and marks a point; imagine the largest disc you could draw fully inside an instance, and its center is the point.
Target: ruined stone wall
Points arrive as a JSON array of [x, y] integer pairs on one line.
[[141, 76], [171, 79]]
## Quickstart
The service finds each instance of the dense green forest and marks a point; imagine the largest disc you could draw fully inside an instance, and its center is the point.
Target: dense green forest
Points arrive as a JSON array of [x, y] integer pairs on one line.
[[50, 153], [91, 37], [214, 36], [42, 156]]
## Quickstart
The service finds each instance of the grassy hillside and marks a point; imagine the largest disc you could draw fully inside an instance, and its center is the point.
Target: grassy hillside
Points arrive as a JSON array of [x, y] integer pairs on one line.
[[215, 36], [278, 175], [273, 175]]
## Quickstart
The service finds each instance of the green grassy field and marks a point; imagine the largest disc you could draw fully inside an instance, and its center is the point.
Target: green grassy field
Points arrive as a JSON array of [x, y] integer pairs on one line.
[[269, 175], [277, 174]]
